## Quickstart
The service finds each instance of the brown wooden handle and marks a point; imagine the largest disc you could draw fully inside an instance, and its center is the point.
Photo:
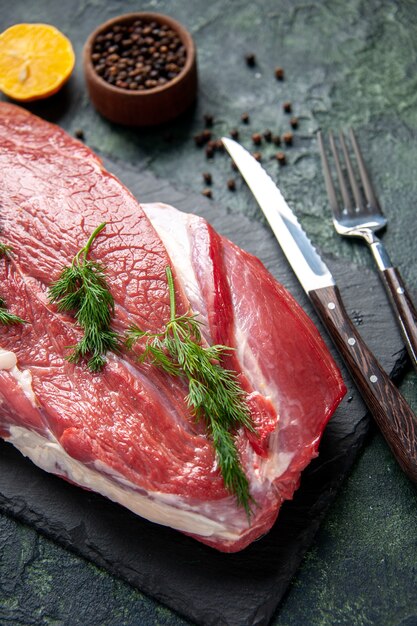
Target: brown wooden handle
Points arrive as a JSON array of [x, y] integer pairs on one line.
[[391, 412], [404, 308]]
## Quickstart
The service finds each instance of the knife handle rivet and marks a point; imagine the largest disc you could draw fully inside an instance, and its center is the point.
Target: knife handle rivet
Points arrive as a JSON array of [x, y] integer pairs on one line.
[[351, 341], [331, 305], [400, 290], [373, 378]]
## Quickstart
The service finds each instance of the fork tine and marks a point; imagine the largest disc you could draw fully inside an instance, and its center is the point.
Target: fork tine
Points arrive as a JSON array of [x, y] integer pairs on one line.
[[334, 205], [367, 185], [354, 185], [342, 180]]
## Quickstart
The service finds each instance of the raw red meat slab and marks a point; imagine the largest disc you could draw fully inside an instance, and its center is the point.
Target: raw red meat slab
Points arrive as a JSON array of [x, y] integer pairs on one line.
[[127, 432]]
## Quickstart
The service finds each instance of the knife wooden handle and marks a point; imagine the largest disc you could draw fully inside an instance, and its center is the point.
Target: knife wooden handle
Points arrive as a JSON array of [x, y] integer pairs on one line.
[[404, 308], [393, 415]]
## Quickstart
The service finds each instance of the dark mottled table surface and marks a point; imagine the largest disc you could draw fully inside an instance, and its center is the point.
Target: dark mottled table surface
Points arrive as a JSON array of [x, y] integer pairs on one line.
[[346, 63]]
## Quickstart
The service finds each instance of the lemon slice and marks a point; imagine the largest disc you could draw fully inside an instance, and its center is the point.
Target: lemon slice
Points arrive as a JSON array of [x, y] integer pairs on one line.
[[36, 60]]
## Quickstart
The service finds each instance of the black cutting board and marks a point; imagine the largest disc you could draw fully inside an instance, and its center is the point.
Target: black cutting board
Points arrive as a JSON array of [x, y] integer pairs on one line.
[[205, 586]]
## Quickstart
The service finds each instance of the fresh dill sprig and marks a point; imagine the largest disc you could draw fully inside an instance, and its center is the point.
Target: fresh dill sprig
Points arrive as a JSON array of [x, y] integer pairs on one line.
[[6, 318], [213, 391], [4, 249], [82, 289]]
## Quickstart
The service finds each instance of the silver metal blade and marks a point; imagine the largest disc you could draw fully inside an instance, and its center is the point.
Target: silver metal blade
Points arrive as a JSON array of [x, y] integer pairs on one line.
[[304, 259]]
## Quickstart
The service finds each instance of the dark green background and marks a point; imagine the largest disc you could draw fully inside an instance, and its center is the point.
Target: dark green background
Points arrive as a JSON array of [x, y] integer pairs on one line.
[[346, 63]]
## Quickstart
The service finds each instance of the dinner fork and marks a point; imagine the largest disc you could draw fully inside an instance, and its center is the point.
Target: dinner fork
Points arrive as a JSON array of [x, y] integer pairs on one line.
[[360, 215]]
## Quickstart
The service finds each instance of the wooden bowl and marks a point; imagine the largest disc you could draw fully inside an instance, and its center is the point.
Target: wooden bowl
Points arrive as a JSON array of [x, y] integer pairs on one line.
[[151, 106]]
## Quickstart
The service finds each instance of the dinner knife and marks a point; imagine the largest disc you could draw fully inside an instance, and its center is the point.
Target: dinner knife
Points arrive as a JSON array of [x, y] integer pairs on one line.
[[390, 410]]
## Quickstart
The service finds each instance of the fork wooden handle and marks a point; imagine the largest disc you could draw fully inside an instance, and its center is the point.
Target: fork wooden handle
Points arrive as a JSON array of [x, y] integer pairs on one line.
[[404, 308], [390, 410]]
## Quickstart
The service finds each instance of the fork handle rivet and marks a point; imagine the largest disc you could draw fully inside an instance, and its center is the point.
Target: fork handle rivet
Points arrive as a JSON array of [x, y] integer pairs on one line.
[[331, 305], [351, 341], [400, 290], [373, 378]]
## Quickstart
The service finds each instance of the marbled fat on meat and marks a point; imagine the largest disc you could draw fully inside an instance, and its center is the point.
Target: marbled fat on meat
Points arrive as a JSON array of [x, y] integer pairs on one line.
[[127, 432]]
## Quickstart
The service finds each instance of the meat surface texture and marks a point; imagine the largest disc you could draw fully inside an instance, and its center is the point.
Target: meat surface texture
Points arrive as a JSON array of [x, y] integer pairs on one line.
[[127, 432]]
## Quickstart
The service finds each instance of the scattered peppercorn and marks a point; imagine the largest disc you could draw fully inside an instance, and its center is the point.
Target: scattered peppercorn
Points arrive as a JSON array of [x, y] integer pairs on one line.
[[245, 118], [199, 140], [287, 138], [294, 122], [138, 56], [257, 139], [209, 152], [219, 145], [257, 156], [287, 107], [279, 73], [207, 193], [234, 133], [280, 157], [202, 138], [79, 134], [250, 59], [207, 178], [234, 166], [277, 140], [208, 120], [231, 184], [267, 135]]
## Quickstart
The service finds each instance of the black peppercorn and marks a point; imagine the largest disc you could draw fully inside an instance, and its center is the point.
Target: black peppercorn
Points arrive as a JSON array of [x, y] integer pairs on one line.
[[257, 156], [206, 135], [257, 139], [207, 192], [79, 134], [287, 138], [199, 140], [219, 145], [279, 73], [250, 59], [231, 184], [294, 122], [245, 118], [207, 178], [267, 135], [280, 157], [208, 120], [277, 140], [234, 133], [287, 107]]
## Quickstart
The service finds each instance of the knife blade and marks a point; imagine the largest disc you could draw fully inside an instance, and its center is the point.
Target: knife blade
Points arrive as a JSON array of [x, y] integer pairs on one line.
[[390, 410]]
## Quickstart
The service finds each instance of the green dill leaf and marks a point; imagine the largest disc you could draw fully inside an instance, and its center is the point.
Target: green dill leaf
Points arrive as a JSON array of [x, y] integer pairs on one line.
[[82, 290], [133, 335], [6, 318], [234, 477], [4, 249], [214, 393]]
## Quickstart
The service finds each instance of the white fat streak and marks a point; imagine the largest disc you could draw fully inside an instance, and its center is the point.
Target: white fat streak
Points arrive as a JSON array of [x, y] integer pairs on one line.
[[173, 228], [277, 464], [8, 361], [49, 455]]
